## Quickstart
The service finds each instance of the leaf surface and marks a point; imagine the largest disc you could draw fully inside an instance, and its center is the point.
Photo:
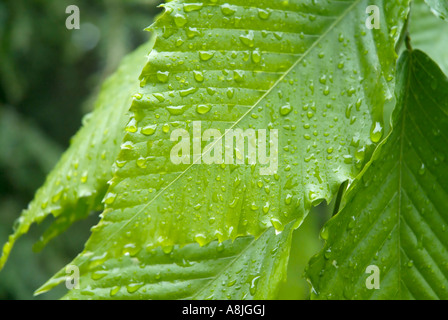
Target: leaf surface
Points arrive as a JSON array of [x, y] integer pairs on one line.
[[324, 106], [396, 216], [306, 70]]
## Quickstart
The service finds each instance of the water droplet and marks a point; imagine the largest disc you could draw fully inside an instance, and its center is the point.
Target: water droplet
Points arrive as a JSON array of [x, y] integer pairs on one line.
[[188, 7], [348, 111], [248, 39], [266, 207], [211, 91], [231, 283], [422, 169], [238, 76], [133, 287], [163, 76], [277, 224], [278, 35], [263, 14], [376, 132], [203, 108], [128, 145], [131, 126], [141, 162], [254, 206], [120, 163], [149, 130], [179, 42], [97, 275], [167, 249], [348, 159], [327, 254], [201, 239], [138, 96], [351, 91], [110, 198], [256, 56], [114, 290], [206, 55], [180, 20], [198, 76], [186, 92], [84, 177], [253, 285], [323, 79], [159, 97], [228, 9], [324, 233], [285, 110], [175, 110], [352, 222]]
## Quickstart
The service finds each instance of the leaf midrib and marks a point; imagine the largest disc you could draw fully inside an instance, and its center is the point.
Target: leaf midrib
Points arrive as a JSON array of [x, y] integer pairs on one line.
[[400, 166]]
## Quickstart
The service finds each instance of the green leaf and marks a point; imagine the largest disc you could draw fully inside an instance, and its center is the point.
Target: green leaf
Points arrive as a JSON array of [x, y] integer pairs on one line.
[[78, 182], [314, 73], [318, 138], [439, 7], [396, 216], [429, 34], [248, 268]]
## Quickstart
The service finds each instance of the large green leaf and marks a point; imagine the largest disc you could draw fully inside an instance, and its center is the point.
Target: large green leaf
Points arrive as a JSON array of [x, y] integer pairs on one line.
[[429, 34], [439, 7], [315, 73], [78, 182], [396, 216]]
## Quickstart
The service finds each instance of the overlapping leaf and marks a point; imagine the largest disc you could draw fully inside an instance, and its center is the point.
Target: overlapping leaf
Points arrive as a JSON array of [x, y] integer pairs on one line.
[[248, 268], [429, 34], [78, 183], [396, 216], [439, 7], [315, 73]]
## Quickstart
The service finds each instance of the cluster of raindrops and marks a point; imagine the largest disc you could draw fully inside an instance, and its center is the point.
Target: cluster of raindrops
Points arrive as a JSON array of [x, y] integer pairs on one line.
[[222, 73]]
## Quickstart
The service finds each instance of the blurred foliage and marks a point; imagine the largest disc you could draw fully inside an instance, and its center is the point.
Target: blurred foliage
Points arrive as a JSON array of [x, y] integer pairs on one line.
[[47, 71], [49, 78]]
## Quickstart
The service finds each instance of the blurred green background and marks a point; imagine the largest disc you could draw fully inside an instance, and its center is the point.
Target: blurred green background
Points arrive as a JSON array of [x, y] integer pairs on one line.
[[49, 78]]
